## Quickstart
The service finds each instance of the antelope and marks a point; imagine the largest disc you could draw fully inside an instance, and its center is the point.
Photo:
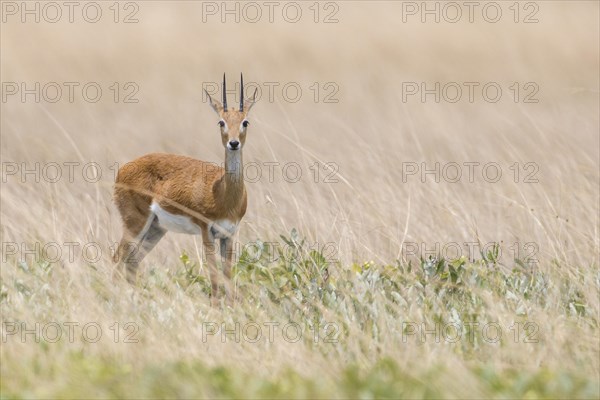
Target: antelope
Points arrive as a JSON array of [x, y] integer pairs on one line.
[[161, 192]]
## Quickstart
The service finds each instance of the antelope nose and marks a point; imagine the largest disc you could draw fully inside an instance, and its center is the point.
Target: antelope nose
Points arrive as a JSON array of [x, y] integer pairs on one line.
[[234, 144]]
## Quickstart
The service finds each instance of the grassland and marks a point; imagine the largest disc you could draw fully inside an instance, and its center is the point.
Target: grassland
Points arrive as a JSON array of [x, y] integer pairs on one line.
[[364, 278]]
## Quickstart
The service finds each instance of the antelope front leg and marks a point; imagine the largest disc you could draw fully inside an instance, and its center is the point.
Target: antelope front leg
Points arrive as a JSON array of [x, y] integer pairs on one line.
[[208, 243], [226, 256], [226, 247]]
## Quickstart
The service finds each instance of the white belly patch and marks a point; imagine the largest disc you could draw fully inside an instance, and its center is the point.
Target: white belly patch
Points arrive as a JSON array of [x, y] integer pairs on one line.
[[223, 228], [174, 222]]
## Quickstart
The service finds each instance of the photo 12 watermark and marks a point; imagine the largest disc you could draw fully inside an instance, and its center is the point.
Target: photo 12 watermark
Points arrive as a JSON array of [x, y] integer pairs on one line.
[[70, 92], [454, 12], [453, 332], [471, 250], [272, 91], [70, 12], [69, 331], [470, 92], [253, 12], [269, 332], [470, 172]]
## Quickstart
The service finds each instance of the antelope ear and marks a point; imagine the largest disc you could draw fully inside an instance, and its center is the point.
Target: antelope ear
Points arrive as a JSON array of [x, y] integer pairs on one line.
[[218, 107], [248, 103]]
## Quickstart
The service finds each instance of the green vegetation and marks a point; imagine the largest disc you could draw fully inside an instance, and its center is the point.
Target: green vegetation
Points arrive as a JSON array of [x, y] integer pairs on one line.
[[485, 324]]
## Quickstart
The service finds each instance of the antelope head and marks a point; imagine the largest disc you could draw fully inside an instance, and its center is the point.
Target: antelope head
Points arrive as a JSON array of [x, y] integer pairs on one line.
[[233, 122]]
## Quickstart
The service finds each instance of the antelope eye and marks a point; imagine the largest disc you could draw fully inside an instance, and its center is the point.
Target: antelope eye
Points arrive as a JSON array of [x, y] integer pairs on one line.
[[222, 124], [245, 124]]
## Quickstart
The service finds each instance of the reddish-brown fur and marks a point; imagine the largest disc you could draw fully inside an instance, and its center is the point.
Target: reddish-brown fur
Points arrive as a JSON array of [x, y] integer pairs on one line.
[[181, 185]]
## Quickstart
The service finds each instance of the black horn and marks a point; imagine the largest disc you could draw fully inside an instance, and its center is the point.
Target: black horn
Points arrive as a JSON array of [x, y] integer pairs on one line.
[[224, 94], [241, 92]]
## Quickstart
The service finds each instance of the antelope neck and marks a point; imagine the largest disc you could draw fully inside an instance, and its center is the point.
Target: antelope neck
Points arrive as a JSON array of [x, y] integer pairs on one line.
[[232, 183]]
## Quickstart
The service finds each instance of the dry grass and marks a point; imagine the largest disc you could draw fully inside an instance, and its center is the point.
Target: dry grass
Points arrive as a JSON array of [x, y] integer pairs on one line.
[[369, 215]]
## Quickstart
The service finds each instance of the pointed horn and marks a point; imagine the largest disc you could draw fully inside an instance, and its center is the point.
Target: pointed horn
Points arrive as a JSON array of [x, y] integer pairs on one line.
[[224, 94], [242, 92]]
